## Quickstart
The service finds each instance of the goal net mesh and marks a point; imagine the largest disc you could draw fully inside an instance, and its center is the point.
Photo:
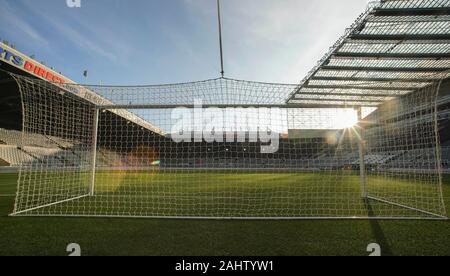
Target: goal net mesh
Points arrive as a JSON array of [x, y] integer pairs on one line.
[[226, 149]]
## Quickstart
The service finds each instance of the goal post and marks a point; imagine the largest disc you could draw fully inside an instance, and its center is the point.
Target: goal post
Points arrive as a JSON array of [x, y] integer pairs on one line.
[[361, 145], [223, 148], [94, 152]]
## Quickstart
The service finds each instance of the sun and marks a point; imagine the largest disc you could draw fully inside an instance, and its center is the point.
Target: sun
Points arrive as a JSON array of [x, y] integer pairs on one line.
[[346, 119]]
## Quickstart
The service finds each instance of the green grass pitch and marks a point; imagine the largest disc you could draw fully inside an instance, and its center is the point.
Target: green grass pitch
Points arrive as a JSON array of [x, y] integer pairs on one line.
[[109, 236]]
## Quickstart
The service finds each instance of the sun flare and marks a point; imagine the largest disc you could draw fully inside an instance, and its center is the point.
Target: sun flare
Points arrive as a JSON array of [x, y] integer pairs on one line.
[[346, 119]]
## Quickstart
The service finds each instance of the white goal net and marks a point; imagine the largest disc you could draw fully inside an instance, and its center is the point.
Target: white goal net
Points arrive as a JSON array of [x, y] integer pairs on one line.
[[227, 149]]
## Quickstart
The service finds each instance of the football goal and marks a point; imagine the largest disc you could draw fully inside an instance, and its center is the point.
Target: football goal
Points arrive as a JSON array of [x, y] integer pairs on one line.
[[225, 148]]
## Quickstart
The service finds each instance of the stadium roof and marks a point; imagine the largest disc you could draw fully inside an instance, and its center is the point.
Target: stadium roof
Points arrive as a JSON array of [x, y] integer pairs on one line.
[[393, 49]]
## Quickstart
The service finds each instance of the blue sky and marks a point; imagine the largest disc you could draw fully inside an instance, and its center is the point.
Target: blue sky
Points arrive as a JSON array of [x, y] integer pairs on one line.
[[165, 41]]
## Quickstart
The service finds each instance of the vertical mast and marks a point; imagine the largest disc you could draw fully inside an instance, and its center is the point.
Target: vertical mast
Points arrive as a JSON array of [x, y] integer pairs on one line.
[[222, 72]]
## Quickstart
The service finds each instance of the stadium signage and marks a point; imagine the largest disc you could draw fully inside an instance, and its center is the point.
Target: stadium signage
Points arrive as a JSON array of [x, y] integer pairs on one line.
[[21, 61], [212, 125], [30, 66]]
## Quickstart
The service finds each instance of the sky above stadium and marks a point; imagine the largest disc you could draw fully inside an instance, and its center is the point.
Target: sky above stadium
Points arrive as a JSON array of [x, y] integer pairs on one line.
[[160, 41]]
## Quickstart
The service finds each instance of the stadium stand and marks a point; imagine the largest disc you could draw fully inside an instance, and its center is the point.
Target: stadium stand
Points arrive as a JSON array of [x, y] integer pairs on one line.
[[61, 153], [14, 156], [39, 148], [14, 137]]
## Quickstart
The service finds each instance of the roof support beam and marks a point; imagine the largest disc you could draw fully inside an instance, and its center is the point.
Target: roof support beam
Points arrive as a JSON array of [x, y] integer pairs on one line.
[[361, 87], [411, 12], [334, 94], [392, 55], [347, 104], [338, 100], [401, 37], [385, 69], [403, 42], [384, 80]]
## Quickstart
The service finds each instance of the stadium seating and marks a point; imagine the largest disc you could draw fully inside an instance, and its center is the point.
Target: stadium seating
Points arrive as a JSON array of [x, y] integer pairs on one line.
[[38, 148], [445, 156], [109, 159], [14, 138], [57, 152], [14, 156]]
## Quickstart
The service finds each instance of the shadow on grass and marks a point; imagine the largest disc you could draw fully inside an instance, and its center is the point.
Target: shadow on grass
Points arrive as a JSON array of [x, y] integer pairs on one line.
[[378, 231]]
